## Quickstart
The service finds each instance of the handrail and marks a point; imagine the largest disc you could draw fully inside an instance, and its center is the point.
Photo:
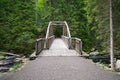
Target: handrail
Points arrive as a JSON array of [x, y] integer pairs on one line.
[[69, 35], [77, 44], [39, 45], [74, 43], [49, 41], [41, 42], [47, 34], [66, 41], [51, 37]]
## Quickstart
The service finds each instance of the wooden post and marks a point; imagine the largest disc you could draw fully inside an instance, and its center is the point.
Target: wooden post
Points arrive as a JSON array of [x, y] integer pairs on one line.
[[36, 47], [52, 31], [111, 38], [63, 30]]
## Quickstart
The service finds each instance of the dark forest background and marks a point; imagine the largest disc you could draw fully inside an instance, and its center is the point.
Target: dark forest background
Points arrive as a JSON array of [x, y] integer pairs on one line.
[[23, 21]]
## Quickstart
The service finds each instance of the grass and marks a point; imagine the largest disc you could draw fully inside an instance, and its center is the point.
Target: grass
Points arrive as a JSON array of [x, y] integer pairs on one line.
[[1, 54], [17, 66]]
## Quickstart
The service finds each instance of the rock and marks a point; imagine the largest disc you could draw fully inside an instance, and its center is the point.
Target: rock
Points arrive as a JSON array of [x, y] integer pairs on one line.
[[85, 55], [118, 65], [33, 56], [2, 57], [10, 57], [4, 69], [1, 63], [9, 54], [18, 60], [100, 58], [5, 62], [93, 49], [94, 53]]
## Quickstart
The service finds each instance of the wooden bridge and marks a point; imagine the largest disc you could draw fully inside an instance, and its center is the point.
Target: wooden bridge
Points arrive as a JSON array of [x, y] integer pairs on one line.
[[63, 46]]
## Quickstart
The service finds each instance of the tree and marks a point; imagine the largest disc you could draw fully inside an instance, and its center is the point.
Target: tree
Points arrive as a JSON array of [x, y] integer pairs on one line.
[[17, 20], [111, 37]]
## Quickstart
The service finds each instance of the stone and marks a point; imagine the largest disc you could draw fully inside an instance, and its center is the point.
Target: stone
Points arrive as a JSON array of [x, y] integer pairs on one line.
[[9, 54], [85, 55], [1, 63], [5, 62], [94, 53], [2, 57], [118, 65], [33, 56], [93, 49], [4, 69], [18, 60], [10, 57]]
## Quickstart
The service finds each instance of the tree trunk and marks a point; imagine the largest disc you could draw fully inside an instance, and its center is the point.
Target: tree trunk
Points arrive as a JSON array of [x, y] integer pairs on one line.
[[111, 38]]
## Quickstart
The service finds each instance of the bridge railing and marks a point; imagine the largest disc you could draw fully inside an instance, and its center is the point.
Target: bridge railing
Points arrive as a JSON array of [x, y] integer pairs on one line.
[[73, 43], [49, 41], [41, 42], [76, 44], [39, 45], [66, 40]]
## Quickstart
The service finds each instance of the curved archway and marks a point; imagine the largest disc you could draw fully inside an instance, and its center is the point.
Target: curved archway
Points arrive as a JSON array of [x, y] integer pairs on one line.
[[50, 32]]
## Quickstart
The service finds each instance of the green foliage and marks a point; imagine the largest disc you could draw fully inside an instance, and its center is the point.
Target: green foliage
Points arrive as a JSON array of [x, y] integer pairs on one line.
[[22, 21], [17, 30], [98, 21], [71, 11], [17, 66], [116, 22]]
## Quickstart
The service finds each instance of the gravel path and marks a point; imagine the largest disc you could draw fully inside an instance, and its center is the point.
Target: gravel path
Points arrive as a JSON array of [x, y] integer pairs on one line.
[[62, 68]]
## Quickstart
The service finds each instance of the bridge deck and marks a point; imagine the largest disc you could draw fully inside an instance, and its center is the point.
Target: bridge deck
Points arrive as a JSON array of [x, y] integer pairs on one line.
[[58, 48]]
